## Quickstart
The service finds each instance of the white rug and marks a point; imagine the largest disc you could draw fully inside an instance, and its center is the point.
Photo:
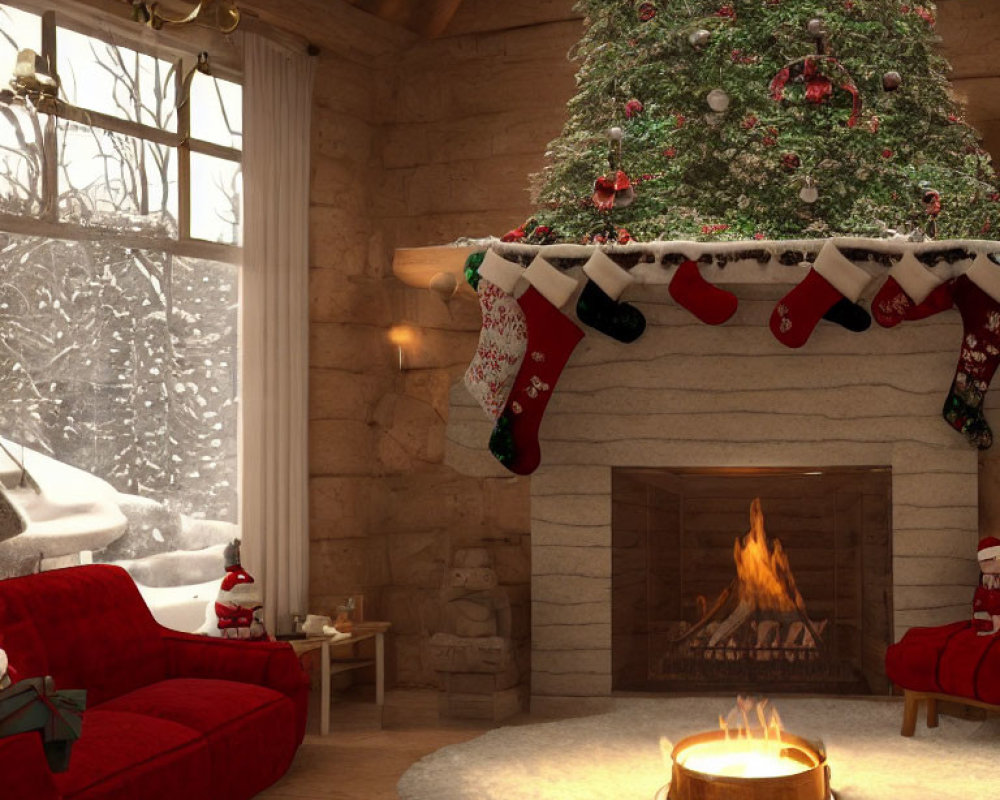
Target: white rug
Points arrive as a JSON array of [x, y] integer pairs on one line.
[[616, 756]]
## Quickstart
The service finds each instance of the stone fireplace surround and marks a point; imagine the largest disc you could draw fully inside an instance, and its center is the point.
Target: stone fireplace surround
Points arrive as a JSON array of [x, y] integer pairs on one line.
[[690, 395]]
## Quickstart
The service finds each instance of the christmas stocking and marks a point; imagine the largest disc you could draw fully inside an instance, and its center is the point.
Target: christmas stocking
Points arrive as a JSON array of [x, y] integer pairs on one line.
[[711, 305], [977, 296], [831, 279], [598, 305], [552, 338], [503, 337], [911, 292]]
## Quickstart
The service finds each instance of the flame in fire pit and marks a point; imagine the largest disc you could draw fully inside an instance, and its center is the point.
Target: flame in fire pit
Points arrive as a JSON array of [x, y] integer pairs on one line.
[[751, 746], [765, 577]]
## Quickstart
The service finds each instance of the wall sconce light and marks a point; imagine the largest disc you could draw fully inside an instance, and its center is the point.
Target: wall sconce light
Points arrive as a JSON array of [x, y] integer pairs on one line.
[[402, 336]]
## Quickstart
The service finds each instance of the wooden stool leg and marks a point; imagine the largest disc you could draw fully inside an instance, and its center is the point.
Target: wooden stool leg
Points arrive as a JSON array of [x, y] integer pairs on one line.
[[911, 704], [932, 719]]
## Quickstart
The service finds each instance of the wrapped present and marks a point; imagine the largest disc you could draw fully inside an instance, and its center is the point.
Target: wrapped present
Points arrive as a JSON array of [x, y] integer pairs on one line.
[[34, 704]]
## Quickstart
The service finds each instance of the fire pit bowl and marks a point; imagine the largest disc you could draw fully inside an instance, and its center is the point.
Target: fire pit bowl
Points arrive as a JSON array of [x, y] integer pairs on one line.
[[716, 766]]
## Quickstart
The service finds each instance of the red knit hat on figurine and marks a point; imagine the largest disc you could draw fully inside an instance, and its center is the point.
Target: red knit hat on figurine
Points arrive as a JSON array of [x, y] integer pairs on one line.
[[986, 601]]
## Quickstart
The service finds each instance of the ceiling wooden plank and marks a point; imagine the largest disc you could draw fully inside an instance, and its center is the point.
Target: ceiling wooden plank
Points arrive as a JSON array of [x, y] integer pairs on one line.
[[441, 14]]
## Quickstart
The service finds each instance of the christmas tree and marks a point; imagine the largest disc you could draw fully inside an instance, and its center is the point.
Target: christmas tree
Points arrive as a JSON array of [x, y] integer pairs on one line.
[[762, 119]]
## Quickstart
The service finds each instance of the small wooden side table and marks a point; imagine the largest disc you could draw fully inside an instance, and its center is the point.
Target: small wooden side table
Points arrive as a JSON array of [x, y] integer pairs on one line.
[[331, 663]]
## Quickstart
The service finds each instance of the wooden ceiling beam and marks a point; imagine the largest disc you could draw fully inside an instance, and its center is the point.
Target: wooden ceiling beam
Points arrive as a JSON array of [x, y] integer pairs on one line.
[[429, 18]]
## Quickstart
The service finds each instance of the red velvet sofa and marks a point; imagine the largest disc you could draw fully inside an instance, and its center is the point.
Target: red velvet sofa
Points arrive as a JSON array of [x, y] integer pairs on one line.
[[169, 715], [949, 662]]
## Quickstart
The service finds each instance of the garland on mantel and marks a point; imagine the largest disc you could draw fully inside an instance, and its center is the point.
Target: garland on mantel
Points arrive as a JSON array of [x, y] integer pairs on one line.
[[883, 252], [526, 339]]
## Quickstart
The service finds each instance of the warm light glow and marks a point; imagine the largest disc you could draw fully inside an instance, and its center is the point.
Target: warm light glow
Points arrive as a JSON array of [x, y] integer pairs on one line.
[[765, 577], [401, 335], [741, 758], [753, 746]]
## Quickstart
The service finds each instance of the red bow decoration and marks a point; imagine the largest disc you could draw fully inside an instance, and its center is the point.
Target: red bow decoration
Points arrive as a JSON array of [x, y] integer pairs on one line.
[[609, 192], [819, 88]]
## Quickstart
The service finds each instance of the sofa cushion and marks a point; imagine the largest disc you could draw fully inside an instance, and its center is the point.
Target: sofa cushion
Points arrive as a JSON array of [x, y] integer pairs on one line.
[[87, 627], [250, 730], [125, 756]]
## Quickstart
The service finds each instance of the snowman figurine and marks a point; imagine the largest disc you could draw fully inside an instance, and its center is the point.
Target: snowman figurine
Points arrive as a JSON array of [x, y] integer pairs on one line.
[[986, 601], [239, 606]]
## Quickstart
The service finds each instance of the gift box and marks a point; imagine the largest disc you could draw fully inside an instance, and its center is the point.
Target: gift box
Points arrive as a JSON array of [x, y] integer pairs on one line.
[[34, 704]]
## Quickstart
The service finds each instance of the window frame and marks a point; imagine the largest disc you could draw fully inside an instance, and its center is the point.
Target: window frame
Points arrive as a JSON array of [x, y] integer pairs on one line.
[[150, 43]]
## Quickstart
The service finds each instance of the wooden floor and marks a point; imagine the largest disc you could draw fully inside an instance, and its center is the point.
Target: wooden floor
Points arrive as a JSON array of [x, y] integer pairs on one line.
[[357, 761]]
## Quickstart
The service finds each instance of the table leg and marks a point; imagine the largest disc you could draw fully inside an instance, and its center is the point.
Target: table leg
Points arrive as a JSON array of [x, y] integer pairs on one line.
[[324, 694], [379, 676]]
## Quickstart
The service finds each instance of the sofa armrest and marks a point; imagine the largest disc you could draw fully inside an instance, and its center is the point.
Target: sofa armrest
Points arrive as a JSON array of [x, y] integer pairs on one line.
[[270, 664], [24, 769]]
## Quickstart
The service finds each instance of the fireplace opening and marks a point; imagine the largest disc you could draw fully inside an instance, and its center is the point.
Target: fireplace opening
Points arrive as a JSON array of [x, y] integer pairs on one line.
[[767, 579]]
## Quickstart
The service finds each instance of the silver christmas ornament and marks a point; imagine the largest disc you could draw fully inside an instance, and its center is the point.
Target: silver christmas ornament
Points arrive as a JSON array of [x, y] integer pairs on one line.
[[891, 81], [815, 27], [718, 100], [809, 193], [616, 134], [700, 38]]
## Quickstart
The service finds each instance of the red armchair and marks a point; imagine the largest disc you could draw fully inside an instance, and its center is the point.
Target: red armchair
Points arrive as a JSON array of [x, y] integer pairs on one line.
[[168, 714]]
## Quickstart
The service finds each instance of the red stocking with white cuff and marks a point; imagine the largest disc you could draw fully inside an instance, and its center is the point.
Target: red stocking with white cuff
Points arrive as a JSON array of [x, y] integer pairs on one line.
[[709, 303], [831, 279], [552, 337], [911, 292], [977, 297]]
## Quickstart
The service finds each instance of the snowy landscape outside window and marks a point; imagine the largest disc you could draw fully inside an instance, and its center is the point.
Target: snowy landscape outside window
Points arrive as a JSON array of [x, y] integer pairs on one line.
[[120, 233]]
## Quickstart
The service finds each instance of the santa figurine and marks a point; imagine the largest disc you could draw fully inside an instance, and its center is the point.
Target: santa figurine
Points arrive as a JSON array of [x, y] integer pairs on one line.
[[239, 605], [986, 601]]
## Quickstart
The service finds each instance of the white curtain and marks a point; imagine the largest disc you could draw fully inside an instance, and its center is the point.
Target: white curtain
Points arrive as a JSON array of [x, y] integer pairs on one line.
[[274, 309]]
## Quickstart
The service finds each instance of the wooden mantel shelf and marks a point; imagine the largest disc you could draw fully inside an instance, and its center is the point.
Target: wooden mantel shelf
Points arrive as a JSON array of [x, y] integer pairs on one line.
[[415, 266]]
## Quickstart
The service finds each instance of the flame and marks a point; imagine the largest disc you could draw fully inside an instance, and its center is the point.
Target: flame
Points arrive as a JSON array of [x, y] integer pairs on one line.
[[765, 577], [753, 747]]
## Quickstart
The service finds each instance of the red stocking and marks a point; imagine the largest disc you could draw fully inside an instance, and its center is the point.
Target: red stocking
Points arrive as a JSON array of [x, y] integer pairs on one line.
[[976, 294], [552, 337], [831, 278], [711, 305], [911, 292]]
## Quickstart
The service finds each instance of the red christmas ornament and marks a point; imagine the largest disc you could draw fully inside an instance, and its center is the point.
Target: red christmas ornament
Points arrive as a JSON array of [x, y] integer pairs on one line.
[[726, 11], [749, 122], [932, 203], [887, 153], [670, 152], [515, 235], [624, 237], [790, 161], [646, 12], [632, 108]]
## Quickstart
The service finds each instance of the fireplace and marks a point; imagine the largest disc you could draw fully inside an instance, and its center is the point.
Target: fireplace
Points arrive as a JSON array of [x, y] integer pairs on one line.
[[751, 579], [688, 396]]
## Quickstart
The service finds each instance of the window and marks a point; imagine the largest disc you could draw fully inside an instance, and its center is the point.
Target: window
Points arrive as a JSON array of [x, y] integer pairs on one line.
[[120, 226]]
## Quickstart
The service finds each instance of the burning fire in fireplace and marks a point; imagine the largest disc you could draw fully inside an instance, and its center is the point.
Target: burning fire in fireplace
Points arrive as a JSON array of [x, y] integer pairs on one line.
[[761, 615], [749, 757]]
